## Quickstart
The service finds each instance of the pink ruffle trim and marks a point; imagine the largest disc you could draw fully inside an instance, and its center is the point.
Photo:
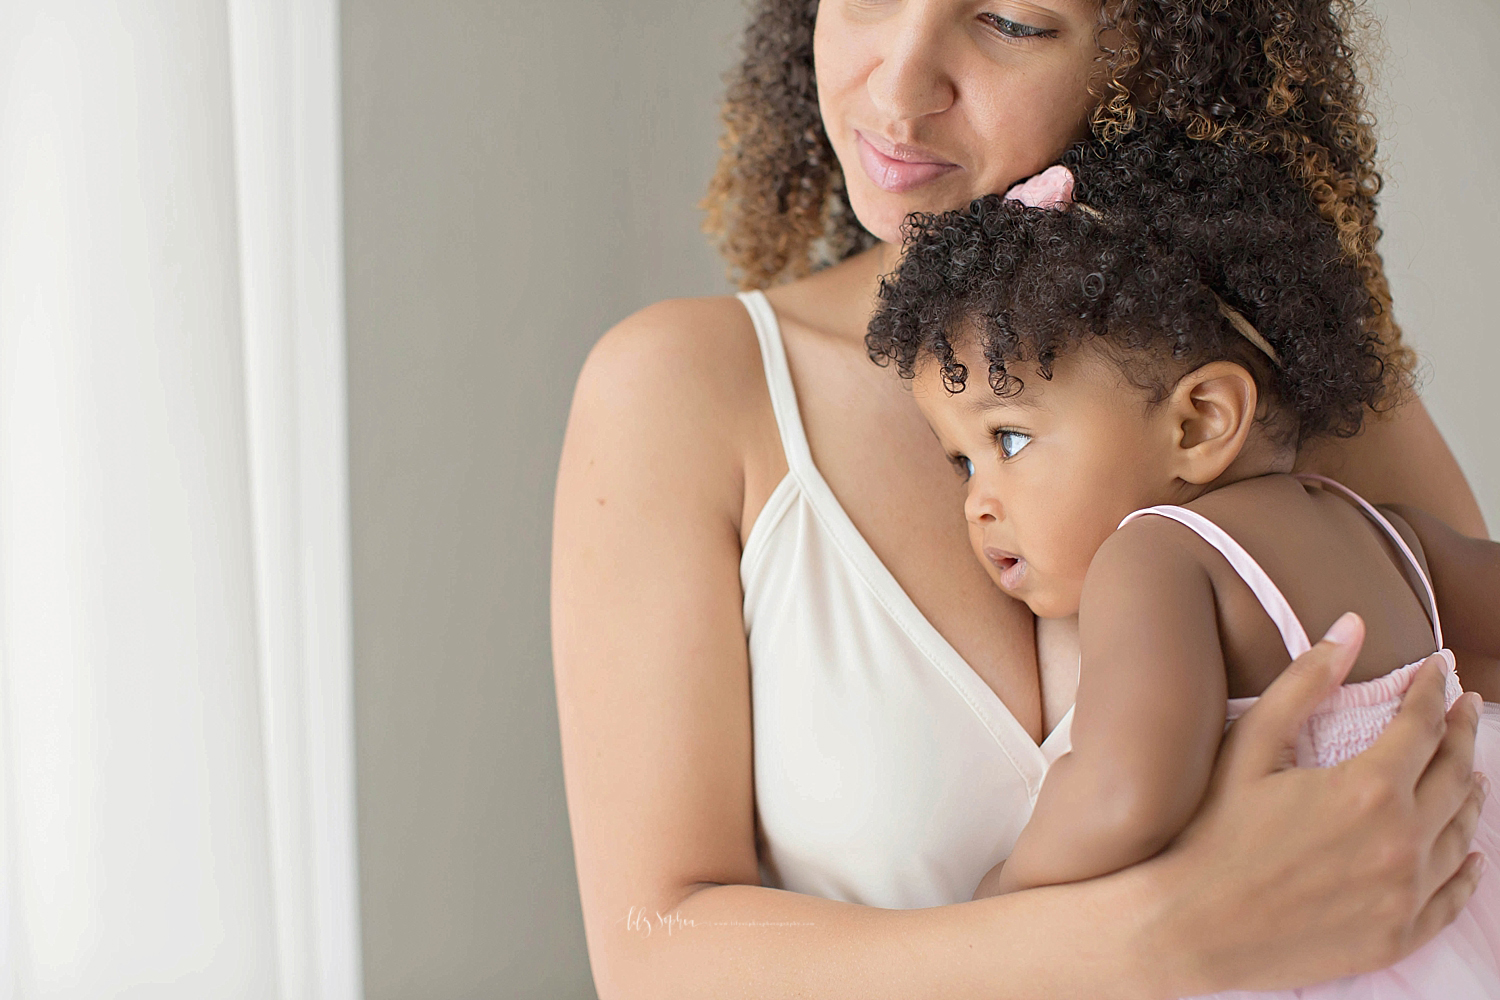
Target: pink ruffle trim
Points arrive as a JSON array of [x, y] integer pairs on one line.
[[1350, 718]]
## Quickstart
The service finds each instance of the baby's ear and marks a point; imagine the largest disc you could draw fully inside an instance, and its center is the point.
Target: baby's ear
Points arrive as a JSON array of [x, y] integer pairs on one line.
[[1211, 411]]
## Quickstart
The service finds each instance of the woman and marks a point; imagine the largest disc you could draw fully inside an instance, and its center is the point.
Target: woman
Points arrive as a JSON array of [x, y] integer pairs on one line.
[[744, 496]]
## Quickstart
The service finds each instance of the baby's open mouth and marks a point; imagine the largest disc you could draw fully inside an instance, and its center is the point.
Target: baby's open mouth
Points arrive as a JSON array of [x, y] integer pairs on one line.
[[1011, 566]]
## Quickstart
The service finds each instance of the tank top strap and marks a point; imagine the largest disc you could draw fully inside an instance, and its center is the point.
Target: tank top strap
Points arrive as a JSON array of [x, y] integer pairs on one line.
[[779, 383], [1429, 597], [1271, 599]]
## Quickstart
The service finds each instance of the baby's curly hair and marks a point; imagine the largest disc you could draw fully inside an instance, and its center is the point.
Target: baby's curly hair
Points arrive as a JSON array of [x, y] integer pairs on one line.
[[1161, 224], [1275, 76]]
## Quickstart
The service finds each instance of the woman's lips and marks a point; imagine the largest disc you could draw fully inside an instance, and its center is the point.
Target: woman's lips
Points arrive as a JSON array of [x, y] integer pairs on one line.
[[898, 168], [1011, 566]]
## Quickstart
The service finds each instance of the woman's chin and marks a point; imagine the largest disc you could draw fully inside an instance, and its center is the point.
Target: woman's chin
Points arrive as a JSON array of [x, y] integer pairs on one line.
[[883, 214], [882, 227]]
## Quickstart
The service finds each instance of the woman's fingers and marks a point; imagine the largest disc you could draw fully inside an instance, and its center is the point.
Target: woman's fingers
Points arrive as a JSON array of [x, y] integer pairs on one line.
[[1446, 903], [1452, 845], [1264, 739], [1418, 776], [1449, 776], [1408, 746], [1450, 796]]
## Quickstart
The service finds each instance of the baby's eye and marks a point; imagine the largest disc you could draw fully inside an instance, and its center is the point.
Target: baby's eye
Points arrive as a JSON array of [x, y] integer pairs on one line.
[[964, 466], [1011, 442]]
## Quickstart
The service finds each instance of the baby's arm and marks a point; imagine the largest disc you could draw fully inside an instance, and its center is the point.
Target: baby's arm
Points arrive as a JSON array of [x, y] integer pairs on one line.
[[1149, 715], [1465, 575]]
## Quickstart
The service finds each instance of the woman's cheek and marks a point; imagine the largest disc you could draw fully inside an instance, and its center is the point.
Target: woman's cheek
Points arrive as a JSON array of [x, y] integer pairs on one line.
[[838, 54], [1021, 145]]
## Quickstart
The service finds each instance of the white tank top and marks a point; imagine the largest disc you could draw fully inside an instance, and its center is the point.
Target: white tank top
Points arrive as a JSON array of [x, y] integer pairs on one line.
[[887, 772]]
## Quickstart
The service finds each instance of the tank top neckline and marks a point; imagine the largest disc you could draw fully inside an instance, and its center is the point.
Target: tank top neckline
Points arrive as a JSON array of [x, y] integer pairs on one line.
[[1026, 755]]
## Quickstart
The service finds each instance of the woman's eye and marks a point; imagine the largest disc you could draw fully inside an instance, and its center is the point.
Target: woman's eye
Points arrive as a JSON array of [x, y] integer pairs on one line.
[[1015, 29], [1011, 442]]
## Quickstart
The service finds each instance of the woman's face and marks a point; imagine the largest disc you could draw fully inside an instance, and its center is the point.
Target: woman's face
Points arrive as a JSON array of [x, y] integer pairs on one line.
[[930, 104]]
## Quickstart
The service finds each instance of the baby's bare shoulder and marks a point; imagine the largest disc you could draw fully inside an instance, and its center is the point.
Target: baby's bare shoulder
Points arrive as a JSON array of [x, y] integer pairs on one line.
[[1152, 540], [1150, 555]]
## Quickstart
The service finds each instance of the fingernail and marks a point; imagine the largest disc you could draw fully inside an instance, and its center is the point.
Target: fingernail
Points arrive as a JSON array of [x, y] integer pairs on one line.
[[1484, 785], [1343, 631], [1480, 865]]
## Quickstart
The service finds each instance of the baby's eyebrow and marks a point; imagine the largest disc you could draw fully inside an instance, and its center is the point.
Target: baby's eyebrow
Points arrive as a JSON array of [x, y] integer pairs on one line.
[[984, 401]]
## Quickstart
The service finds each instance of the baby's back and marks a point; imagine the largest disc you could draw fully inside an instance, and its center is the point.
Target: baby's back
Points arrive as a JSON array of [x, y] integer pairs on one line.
[[1326, 556]]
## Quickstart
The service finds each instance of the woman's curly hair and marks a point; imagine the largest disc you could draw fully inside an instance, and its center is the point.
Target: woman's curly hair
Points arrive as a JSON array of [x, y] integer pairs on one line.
[[1162, 224], [1274, 76]]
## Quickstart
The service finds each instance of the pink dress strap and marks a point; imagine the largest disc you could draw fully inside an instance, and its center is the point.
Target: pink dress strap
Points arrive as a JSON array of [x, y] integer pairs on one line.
[[1349, 719], [1269, 595], [1429, 597]]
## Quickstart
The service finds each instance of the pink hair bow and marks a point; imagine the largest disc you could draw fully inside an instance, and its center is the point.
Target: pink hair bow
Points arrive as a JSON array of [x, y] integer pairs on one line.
[[1052, 188]]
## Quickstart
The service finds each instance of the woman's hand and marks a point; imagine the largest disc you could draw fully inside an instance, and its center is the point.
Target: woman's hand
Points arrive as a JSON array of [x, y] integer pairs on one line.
[[1334, 871]]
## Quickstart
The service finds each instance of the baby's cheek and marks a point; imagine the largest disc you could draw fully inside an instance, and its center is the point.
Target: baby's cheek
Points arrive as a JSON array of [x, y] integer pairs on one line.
[[1060, 601], [1068, 576], [976, 546], [1048, 607], [992, 571]]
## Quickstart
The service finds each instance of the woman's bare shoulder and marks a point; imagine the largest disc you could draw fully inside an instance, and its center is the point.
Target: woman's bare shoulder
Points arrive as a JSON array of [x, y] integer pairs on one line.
[[696, 346], [672, 402]]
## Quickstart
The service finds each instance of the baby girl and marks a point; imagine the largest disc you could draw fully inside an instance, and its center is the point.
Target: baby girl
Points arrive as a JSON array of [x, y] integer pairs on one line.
[[1151, 351]]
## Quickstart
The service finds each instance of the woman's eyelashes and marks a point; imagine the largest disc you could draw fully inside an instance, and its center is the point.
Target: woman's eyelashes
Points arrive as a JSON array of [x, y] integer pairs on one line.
[[1015, 29]]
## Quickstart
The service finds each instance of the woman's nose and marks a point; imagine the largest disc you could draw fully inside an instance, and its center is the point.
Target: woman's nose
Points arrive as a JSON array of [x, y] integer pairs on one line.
[[911, 79]]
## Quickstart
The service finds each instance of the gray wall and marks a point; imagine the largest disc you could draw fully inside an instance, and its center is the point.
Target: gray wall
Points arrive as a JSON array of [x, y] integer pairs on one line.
[[1441, 213], [519, 175]]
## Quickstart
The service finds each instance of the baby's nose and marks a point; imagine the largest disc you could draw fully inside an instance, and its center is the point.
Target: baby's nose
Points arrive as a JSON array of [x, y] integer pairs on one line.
[[982, 507]]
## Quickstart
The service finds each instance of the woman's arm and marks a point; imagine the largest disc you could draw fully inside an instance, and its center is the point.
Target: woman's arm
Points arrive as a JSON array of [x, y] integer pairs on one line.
[[1400, 458], [1312, 877], [1149, 716]]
